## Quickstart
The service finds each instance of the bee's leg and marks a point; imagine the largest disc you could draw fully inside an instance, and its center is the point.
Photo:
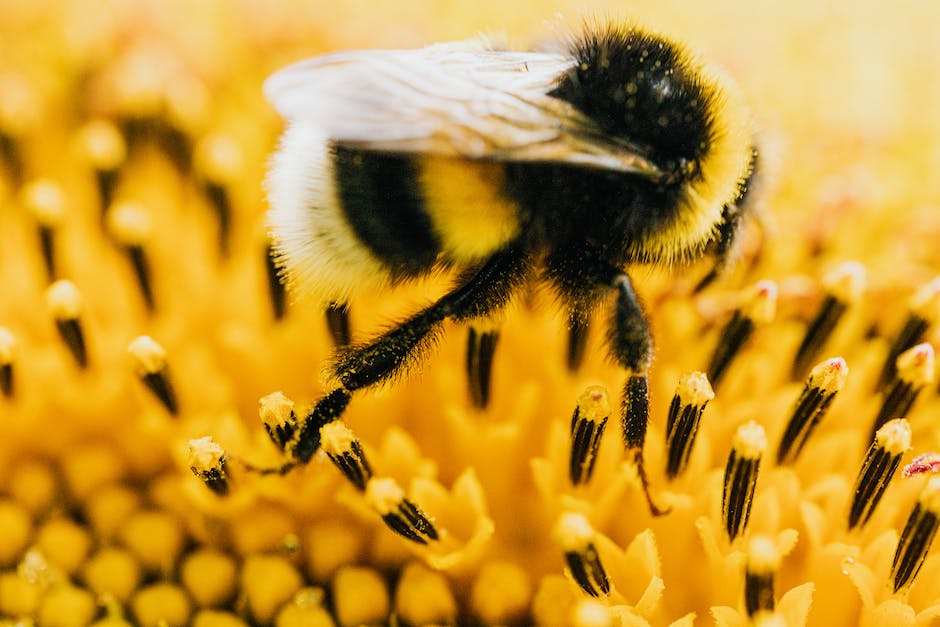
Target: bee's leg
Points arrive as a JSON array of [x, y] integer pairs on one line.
[[728, 230], [478, 295], [731, 224], [481, 346], [631, 345], [583, 277]]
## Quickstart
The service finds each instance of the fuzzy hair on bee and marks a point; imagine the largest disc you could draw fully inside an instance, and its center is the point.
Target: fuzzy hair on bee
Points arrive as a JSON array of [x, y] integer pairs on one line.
[[506, 167]]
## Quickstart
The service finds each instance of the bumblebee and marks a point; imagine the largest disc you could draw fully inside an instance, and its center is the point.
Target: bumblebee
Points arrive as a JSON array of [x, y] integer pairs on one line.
[[506, 167]]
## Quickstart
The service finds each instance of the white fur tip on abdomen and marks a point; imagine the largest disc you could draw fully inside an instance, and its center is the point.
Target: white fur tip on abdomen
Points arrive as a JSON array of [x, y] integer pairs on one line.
[[318, 251]]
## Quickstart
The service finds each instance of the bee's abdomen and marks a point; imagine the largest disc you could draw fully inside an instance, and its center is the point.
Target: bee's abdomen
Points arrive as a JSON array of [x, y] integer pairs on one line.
[[380, 197]]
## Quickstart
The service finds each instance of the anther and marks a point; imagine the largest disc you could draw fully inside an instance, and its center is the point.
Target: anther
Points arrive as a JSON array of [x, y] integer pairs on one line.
[[207, 461], [150, 365], [65, 304], [924, 310], [823, 383], [481, 346], [685, 414], [918, 535], [275, 286], [915, 369], [882, 460], [748, 447], [587, 428], [45, 200], [844, 287], [763, 562], [130, 225], [105, 151], [576, 536], [337, 321], [280, 422], [7, 354], [399, 513], [345, 450], [219, 162], [759, 308]]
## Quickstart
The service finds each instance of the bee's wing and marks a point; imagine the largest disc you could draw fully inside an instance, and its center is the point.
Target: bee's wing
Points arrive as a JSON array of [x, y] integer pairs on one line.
[[449, 99]]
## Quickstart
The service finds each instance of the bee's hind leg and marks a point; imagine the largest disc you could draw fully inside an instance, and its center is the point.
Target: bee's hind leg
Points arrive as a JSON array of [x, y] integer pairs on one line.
[[477, 295]]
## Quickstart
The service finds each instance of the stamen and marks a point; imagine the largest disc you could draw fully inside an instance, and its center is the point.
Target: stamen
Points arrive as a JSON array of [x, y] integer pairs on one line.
[[150, 364], [759, 308], [337, 320], [301, 440], [576, 536], [481, 346], [918, 535], [748, 447], [7, 354], [277, 414], [881, 462], [130, 225], [219, 161], [924, 310], [105, 151], [45, 200], [345, 450], [587, 428], [915, 369], [578, 328], [400, 514], [928, 462], [275, 286], [19, 113], [685, 414], [207, 461], [11, 154], [187, 111], [763, 562], [65, 304], [844, 287], [824, 382]]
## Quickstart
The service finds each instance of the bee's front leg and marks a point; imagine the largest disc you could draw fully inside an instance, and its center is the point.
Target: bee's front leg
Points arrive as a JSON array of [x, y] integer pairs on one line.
[[631, 345]]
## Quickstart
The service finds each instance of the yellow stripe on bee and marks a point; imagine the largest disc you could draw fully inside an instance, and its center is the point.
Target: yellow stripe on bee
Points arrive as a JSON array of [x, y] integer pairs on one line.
[[469, 210]]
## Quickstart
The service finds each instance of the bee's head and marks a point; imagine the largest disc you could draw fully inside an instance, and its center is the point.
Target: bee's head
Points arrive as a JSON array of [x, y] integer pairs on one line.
[[641, 88]]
